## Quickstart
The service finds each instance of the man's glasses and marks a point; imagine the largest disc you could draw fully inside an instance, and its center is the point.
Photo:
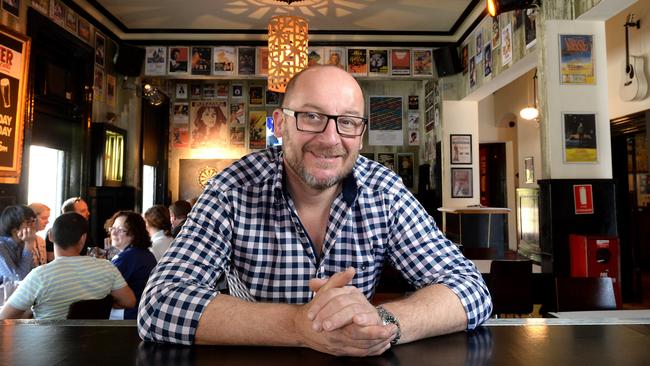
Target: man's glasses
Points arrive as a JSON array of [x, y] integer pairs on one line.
[[346, 126]]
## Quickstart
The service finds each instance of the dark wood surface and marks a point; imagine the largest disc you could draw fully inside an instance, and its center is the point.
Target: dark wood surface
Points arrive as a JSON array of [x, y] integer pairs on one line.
[[117, 343]]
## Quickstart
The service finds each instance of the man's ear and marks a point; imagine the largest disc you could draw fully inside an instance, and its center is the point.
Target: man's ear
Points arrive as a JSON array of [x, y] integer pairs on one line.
[[278, 121], [82, 240]]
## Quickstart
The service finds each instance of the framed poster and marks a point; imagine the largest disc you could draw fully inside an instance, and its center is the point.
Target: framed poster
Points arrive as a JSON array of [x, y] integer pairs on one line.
[[155, 60], [43, 6], [13, 7], [181, 90], [378, 62], [422, 62], [224, 61], [387, 159], [178, 60], [460, 149], [100, 49], [110, 90], [577, 59], [336, 57], [580, 140], [529, 170], [13, 79], [70, 21], [358, 61], [405, 166], [83, 29], [246, 61], [400, 61], [201, 60], [461, 183], [385, 120]]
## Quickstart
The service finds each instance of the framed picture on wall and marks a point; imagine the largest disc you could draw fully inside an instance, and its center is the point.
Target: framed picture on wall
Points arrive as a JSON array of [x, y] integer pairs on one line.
[[529, 170], [100, 49], [580, 139], [460, 149], [461, 183], [405, 166]]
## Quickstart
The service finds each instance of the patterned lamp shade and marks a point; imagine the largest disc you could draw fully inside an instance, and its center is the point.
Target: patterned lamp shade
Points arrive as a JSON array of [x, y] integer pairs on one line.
[[288, 38]]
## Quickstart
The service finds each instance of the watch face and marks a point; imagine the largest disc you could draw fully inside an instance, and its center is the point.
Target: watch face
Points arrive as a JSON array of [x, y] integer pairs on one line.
[[205, 174]]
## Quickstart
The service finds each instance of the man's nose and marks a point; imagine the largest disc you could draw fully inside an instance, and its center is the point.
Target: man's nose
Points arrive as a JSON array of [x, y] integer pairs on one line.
[[330, 134]]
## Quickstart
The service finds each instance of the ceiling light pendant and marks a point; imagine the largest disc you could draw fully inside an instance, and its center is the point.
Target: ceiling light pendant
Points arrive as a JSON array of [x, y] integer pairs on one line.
[[531, 112], [288, 42], [495, 7]]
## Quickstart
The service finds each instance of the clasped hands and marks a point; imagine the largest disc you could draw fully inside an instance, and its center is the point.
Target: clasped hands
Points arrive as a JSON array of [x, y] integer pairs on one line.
[[339, 320]]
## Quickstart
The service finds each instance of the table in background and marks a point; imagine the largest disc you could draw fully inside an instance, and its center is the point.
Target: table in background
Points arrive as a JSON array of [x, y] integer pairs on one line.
[[477, 227], [640, 314], [500, 342]]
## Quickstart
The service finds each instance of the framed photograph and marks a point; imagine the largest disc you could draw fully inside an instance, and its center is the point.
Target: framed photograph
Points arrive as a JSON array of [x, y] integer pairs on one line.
[[262, 62], [201, 60], [12, 7], [315, 56], [256, 95], [506, 44], [71, 21], [181, 113], [237, 113], [580, 139], [237, 91], [577, 59], [181, 91], [178, 60], [13, 83], [110, 90], [378, 62], [460, 149], [224, 61], [529, 170], [155, 60], [222, 89], [272, 98], [98, 83], [400, 62], [405, 166], [100, 48], [43, 6], [358, 61], [246, 61], [461, 183], [336, 57], [83, 29], [387, 159], [195, 91], [57, 12], [422, 62]]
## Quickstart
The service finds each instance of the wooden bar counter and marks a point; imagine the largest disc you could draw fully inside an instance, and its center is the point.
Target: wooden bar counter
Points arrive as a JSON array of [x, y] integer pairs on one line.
[[500, 342]]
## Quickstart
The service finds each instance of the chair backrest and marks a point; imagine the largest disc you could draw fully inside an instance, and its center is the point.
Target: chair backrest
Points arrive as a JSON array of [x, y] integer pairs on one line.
[[91, 309], [584, 293], [511, 286]]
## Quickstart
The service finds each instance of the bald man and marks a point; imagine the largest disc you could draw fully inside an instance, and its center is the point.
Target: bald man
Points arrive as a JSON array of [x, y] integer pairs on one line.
[[301, 233]]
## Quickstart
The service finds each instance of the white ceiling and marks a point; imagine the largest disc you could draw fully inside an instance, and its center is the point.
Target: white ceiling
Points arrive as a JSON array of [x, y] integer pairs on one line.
[[329, 20]]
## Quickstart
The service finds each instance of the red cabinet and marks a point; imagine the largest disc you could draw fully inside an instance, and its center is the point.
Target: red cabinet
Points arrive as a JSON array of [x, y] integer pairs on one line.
[[596, 256]]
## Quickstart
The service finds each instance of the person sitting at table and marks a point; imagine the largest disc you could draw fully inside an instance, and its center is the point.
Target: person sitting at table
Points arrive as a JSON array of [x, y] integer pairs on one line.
[[159, 228], [129, 234], [42, 219], [49, 290], [17, 240], [301, 232], [178, 214], [78, 205]]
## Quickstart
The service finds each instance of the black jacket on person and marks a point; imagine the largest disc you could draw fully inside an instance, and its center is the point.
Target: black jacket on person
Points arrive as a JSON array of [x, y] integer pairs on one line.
[[177, 229]]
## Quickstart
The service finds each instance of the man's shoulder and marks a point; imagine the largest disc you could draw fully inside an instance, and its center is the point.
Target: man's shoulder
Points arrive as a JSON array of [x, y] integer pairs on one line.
[[252, 169], [377, 177]]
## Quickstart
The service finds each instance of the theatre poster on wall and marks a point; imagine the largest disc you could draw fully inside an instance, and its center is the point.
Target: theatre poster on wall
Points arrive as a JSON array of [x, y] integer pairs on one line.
[[14, 58]]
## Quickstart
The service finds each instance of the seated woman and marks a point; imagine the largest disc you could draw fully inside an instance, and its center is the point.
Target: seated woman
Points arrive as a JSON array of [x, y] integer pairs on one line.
[[135, 261], [159, 228], [17, 238], [42, 212]]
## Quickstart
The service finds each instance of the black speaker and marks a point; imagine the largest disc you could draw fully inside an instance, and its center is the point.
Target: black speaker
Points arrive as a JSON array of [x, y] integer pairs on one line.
[[447, 61], [128, 60]]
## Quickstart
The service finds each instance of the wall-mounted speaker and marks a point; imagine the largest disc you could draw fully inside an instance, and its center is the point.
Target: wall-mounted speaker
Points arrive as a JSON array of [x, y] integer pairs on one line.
[[129, 59], [447, 61]]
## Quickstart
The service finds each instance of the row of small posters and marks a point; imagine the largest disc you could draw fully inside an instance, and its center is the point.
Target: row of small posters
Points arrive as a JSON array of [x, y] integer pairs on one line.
[[218, 115], [253, 61]]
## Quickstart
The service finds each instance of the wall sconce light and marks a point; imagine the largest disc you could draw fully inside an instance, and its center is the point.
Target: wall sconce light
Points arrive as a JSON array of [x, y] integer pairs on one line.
[[496, 7], [288, 42], [531, 112]]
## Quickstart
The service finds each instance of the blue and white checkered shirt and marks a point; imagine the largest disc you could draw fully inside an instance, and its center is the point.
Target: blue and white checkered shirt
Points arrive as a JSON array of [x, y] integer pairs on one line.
[[245, 224]]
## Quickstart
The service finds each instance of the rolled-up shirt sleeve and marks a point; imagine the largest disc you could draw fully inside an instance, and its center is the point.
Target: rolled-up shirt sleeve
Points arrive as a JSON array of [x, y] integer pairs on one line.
[[184, 281], [425, 257]]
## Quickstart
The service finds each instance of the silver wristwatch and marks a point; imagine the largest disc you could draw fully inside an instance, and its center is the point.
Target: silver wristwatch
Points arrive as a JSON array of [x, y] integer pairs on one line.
[[388, 318]]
